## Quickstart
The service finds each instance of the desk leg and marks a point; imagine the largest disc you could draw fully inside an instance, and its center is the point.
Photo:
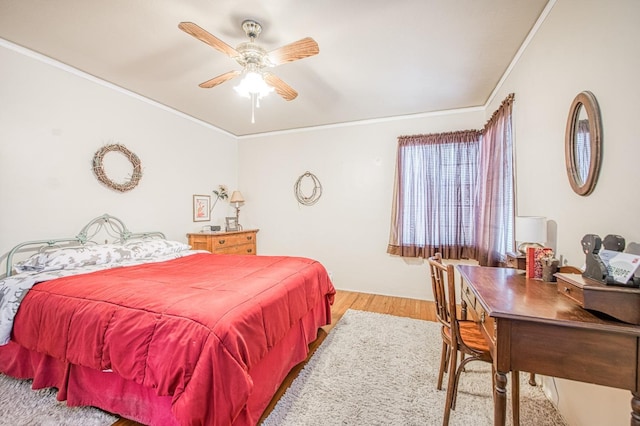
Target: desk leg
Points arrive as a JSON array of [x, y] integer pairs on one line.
[[635, 409], [500, 399], [515, 397]]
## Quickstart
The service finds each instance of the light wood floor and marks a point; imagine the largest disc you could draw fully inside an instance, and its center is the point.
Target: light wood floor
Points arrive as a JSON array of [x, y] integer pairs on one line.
[[412, 308]]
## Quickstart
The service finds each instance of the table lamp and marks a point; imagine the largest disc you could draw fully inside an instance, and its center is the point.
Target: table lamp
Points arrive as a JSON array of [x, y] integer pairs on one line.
[[237, 198], [531, 231]]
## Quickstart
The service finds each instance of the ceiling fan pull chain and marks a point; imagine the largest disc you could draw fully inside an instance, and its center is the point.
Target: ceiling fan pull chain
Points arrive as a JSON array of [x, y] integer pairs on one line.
[[253, 108]]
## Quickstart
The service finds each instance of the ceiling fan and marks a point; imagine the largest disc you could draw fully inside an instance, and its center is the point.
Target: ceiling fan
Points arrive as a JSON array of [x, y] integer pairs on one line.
[[254, 60]]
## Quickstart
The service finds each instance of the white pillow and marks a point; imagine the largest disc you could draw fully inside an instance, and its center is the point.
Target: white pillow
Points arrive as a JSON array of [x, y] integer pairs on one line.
[[146, 249]]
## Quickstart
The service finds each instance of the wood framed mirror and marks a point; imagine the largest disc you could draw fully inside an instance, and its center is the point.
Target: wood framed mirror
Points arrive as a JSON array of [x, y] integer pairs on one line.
[[583, 143]]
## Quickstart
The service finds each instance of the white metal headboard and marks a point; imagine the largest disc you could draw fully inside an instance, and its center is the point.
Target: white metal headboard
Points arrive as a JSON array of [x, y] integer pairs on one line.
[[112, 229]]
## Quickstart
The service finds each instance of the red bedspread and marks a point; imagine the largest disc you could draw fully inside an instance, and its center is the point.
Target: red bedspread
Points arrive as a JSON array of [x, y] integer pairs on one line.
[[190, 328]]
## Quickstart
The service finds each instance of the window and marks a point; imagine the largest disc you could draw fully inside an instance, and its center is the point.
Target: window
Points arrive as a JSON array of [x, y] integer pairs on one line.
[[437, 184], [454, 193]]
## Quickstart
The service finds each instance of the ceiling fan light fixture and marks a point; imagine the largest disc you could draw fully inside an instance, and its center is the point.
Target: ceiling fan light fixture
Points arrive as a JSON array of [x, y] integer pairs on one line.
[[256, 83], [253, 84]]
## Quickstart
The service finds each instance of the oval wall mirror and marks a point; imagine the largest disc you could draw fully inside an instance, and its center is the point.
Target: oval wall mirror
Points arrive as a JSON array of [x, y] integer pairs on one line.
[[583, 143]]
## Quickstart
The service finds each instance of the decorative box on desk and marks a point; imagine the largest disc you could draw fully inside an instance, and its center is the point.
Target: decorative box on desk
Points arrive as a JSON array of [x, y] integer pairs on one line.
[[621, 303], [234, 242], [516, 260]]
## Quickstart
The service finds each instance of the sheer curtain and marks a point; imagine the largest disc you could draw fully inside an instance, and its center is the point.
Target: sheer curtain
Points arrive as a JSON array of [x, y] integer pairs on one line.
[[454, 193], [433, 201], [495, 201]]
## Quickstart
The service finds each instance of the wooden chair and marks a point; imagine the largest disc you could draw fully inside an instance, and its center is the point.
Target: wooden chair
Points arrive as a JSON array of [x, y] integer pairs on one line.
[[459, 336]]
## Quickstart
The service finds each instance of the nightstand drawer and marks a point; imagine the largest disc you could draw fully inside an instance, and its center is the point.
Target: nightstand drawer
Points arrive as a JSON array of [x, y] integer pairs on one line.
[[230, 240], [236, 242], [236, 249]]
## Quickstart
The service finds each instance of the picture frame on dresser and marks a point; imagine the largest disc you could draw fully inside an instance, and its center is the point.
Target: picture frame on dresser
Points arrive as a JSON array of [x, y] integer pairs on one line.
[[231, 224], [201, 208]]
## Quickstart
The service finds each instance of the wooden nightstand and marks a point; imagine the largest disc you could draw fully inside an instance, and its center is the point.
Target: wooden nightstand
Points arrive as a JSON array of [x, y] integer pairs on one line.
[[516, 260], [235, 242]]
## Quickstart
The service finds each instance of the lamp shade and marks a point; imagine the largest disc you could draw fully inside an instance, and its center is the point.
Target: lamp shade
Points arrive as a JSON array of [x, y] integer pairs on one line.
[[236, 197], [531, 229]]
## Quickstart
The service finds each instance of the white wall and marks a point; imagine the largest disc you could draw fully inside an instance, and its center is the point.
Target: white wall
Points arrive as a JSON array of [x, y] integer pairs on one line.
[[348, 228], [52, 121], [582, 45]]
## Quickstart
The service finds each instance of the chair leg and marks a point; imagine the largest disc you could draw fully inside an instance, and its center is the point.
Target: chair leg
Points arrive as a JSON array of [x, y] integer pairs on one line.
[[444, 361], [459, 371], [453, 360], [515, 397]]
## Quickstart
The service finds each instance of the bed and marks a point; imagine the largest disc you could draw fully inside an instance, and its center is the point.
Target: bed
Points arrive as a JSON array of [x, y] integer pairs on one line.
[[155, 332]]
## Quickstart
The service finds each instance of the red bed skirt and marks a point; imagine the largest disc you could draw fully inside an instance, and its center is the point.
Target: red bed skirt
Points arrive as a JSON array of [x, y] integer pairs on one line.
[[82, 386]]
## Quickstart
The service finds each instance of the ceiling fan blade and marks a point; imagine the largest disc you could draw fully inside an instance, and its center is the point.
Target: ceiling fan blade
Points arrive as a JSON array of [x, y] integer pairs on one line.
[[282, 88], [206, 37], [219, 79], [292, 52]]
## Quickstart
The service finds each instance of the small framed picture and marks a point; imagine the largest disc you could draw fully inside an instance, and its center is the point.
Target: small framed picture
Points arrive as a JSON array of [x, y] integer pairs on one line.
[[201, 208], [231, 224]]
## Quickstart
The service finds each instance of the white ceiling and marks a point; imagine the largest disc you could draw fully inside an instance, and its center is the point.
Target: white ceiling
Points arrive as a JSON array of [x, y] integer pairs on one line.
[[377, 59]]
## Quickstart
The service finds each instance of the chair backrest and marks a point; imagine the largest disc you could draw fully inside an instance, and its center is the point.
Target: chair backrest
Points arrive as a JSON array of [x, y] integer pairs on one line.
[[444, 293]]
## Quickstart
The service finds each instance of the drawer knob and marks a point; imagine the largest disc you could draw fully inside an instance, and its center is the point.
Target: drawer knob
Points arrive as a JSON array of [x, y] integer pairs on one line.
[[221, 241], [249, 238], [567, 290], [249, 250]]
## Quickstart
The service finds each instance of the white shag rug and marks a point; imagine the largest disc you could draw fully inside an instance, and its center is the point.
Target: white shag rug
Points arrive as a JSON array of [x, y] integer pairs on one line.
[[376, 369], [20, 405]]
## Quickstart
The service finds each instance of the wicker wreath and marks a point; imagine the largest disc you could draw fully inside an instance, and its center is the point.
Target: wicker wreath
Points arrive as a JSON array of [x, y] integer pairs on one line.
[[315, 194], [98, 167]]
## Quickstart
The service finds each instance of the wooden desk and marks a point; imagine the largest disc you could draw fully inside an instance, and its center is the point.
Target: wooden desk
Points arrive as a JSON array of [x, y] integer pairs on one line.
[[531, 327]]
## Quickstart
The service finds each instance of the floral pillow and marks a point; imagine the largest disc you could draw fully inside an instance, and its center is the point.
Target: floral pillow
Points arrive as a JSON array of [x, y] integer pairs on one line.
[[74, 257], [146, 249]]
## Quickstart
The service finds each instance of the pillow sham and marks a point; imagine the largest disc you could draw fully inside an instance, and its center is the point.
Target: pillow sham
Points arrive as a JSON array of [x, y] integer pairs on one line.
[[77, 257], [145, 249], [74, 257]]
